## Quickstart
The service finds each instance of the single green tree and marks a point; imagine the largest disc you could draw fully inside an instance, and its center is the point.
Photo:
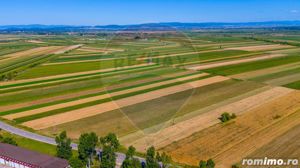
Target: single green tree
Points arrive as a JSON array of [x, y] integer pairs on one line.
[[110, 145], [202, 164], [63, 148], [207, 164], [108, 159], [76, 163], [87, 145], [110, 140], [151, 161], [165, 160], [158, 157], [210, 163], [130, 161]]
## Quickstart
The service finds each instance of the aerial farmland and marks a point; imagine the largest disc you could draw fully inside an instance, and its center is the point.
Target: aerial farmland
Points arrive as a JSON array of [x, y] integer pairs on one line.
[[161, 89]]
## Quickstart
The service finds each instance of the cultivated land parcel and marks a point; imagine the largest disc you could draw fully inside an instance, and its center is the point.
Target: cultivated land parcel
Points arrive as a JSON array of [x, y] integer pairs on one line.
[[163, 90]]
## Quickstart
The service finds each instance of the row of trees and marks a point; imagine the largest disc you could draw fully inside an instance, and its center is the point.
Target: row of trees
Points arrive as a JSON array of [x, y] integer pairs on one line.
[[106, 158]]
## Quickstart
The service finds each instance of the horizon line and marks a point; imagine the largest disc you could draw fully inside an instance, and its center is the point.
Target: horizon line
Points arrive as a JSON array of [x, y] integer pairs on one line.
[[91, 25]]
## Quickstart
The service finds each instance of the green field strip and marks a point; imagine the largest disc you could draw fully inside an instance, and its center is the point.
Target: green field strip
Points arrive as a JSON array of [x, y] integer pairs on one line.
[[13, 48], [73, 76], [49, 84], [271, 76], [197, 57], [251, 66], [58, 111], [223, 59], [77, 87], [15, 64], [293, 85], [52, 82], [92, 95], [52, 70], [83, 58]]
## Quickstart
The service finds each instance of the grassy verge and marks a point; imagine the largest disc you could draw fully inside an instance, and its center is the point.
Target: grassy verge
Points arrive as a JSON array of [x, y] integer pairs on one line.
[[31, 144]]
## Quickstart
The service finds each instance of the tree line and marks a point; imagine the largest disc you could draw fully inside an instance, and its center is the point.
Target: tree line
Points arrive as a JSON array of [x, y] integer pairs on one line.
[[89, 156]]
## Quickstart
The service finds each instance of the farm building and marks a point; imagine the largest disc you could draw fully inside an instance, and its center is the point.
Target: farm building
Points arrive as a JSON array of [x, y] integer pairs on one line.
[[16, 157]]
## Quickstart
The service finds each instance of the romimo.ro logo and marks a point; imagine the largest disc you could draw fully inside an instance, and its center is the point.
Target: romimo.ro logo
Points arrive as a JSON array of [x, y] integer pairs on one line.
[[270, 162]]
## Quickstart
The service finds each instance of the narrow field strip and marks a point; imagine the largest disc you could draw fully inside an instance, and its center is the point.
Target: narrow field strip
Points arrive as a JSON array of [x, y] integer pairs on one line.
[[186, 128], [225, 44], [188, 64], [104, 96], [80, 55], [164, 46], [32, 52], [2, 84], [263, 72], [280, 81], [253, 65], [219, 64], [109, 106], [105, 50], [69, 48], [91, 60], [261, 47], [180, 54]]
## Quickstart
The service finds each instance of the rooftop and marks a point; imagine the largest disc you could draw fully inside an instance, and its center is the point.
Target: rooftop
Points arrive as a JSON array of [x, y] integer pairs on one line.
[[31, 157]]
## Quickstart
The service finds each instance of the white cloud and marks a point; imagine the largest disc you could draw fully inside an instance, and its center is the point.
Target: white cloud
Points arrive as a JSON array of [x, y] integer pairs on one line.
[[294, 11]]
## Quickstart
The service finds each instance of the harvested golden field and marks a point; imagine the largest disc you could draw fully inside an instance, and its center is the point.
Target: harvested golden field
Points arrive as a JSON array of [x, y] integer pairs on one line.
[[229, 143], [205, 119], [285, 145]]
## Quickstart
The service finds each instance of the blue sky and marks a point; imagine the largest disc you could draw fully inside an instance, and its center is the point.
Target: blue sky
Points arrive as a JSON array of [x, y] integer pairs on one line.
[[103, 12]]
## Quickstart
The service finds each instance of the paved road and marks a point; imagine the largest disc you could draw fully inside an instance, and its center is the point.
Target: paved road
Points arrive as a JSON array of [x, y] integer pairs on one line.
[[48, 140]]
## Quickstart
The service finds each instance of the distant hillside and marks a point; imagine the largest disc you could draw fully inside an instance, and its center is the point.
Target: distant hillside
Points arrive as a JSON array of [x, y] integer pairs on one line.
[[152, 26]]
